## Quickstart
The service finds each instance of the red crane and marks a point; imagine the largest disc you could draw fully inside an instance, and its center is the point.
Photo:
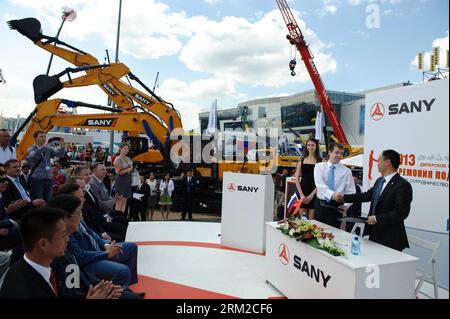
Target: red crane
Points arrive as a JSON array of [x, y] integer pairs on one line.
[[296, 38]]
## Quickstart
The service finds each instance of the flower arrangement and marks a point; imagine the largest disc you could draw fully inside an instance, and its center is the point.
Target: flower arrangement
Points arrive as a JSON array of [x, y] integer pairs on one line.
[[313, 235]]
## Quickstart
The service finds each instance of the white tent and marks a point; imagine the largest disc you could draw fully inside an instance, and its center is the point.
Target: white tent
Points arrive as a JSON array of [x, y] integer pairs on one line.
[[357, 160]]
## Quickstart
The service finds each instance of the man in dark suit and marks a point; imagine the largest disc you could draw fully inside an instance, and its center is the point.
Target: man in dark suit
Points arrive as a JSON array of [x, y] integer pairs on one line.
[[9, 232], [189, 187], [25, 176], [390, 198], [139, 206], [44, 238], [16, 192], [106, 228], [98, 204], [73, 282]]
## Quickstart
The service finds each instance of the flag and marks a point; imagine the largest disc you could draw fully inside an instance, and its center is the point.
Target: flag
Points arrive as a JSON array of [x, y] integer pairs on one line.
[[319, 126], [294, 204], [212, 122]]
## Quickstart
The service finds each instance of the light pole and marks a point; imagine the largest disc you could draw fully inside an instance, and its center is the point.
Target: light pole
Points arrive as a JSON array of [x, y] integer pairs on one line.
[[68, 14], [111, 141]]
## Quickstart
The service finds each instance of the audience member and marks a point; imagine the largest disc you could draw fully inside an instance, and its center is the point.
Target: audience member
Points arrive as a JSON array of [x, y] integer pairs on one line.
[[7, 152], [25, 176], [44, 237], [189, 187], [39, 158], [15, 193], [57, 179]]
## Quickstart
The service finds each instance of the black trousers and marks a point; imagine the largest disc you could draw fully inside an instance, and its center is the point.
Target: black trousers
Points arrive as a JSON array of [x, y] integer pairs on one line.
[[188, 203], [327, 215], [138, 208]]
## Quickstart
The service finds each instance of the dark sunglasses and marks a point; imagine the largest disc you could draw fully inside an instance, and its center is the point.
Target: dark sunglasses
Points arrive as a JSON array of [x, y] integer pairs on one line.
[[3, 180]]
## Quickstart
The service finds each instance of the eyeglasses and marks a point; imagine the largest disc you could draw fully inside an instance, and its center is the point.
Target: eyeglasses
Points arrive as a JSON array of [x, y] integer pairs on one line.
[[3, 180]]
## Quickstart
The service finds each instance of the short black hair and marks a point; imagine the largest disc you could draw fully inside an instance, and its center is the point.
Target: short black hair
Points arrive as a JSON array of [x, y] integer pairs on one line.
[[393, 157], [65, 202], [39, 223], [78, 169], [96, 165], [36, 133], [8, 163], [68, 189]]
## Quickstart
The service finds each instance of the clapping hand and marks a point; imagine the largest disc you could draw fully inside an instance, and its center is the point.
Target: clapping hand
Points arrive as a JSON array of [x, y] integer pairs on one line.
[[15, 206], [104, 290], [39, 202]]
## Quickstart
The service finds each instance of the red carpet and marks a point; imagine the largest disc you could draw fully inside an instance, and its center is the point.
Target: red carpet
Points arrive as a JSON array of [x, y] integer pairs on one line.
[[160, 289]]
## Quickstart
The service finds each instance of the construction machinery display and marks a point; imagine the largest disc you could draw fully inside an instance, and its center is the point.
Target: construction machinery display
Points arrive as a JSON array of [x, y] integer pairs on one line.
[[148, 122]]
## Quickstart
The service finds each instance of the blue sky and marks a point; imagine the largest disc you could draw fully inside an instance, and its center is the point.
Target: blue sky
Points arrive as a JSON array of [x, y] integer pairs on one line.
[[226, 49]]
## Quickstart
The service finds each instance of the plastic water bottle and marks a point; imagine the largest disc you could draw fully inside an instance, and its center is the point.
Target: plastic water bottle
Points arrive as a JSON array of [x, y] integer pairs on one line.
[[304, 217], [356, 246]]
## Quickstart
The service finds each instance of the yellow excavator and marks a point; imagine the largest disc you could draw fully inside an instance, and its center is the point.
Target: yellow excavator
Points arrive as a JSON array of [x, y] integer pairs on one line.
[[160, 118]]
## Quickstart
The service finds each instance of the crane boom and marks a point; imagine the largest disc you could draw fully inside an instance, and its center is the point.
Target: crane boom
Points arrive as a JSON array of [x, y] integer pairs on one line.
[[296, 38]]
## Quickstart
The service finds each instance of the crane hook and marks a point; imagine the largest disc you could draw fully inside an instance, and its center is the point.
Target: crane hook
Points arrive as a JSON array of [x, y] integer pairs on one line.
[[292, 66]]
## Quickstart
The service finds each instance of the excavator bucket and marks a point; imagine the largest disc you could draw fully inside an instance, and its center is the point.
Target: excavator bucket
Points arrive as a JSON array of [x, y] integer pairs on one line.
[[29, 27], [45, 86]]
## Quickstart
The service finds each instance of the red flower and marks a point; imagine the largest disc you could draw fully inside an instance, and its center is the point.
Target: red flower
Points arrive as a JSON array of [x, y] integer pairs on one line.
[[307, 236]]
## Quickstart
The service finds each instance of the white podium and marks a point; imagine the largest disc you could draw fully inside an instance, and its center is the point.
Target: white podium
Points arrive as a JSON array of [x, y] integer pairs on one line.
[[300, 271], [247, 204]]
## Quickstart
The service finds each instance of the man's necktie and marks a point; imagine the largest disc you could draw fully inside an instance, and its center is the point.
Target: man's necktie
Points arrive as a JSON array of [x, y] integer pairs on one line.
[[331, 177], [377, 195], [54, 283], [92, 240], [22, 191]]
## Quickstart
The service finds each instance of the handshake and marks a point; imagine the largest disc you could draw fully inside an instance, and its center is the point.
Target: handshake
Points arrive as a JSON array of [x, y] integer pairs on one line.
[[338, 197]]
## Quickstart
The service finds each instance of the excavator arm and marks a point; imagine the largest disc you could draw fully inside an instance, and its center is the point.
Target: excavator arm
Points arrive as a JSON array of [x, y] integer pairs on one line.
[[47, 117], [120, 92]]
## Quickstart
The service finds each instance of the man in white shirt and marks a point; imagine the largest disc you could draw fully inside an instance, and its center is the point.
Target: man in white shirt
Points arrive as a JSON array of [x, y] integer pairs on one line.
[[332, 178], [7, 152]]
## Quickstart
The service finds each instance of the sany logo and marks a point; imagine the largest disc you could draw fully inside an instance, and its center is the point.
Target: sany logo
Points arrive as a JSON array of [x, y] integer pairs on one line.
[[284, 254], [100, 122], [231, 187], [249, 189], [377, 111]]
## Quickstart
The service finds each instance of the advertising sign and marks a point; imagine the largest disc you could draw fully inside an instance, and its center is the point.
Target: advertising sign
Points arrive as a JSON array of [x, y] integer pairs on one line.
[[413, 120]]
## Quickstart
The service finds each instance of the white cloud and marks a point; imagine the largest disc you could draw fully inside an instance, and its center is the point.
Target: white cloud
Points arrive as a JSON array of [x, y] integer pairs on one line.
[[238, 50], [148, 28], [227, 52], [331, 9]]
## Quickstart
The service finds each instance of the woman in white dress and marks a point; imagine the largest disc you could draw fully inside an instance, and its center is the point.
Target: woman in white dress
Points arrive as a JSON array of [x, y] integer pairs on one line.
[[166, 188]]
